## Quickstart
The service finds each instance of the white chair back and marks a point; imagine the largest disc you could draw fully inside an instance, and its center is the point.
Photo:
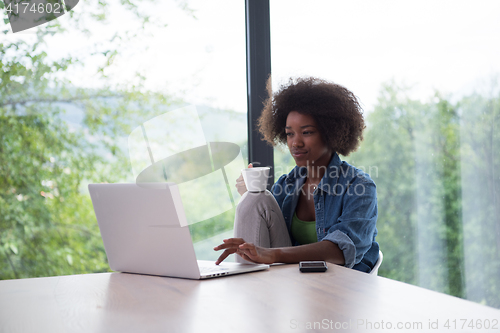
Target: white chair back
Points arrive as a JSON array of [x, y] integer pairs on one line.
[[377, 264]]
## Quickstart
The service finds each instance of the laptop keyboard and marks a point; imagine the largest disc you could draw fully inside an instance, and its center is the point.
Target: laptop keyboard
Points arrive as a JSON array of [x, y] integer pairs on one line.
[[211, 269]]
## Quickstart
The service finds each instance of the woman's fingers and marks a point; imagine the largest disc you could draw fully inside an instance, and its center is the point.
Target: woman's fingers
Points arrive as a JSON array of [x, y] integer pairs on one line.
[[248, 249], [234, 240], [246, 256], [230, 246], [224, 255], [257, 254], [248, 246], [229, 243], [240, 183]]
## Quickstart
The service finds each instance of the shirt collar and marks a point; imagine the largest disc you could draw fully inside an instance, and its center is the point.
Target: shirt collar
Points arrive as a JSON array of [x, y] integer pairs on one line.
[[329, 179]]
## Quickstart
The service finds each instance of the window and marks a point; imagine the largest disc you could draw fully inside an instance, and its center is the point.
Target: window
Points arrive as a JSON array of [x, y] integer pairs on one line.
[[427, 75], [70, 100]]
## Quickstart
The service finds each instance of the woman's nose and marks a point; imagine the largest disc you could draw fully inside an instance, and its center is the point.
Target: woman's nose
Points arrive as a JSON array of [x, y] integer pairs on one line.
[[297, 142]]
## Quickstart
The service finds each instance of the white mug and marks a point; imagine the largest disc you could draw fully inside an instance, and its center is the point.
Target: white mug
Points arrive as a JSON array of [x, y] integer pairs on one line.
[[256, 178]]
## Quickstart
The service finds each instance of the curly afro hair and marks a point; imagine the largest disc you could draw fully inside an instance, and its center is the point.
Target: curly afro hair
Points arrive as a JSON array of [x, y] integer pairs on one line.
[[334, 108]]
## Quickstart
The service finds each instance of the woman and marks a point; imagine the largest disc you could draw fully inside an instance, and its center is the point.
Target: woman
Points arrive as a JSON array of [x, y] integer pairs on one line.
[[324, 209]]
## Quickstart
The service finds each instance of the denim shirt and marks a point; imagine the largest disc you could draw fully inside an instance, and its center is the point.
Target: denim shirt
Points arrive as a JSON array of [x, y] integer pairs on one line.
[[345, 203]]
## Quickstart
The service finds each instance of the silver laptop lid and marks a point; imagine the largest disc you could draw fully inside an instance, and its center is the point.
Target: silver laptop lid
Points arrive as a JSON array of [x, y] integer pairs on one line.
[[144, 229]]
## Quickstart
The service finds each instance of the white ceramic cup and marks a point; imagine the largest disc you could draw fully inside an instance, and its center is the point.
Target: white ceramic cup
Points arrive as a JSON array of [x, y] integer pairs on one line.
[[256, 178]]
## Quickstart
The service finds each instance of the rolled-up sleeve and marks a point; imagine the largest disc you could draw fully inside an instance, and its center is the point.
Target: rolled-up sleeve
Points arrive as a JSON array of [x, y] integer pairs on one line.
[[355, 228]]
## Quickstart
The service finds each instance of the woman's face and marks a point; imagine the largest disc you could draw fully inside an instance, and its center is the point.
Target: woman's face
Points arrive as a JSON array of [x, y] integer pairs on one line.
[[305, 142]]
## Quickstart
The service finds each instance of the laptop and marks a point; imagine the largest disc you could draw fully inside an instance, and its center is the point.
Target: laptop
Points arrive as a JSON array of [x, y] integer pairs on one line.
[[145, 231]]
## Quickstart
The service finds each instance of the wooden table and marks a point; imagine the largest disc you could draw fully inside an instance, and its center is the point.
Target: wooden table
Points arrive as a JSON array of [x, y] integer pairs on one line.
[[278, 300]]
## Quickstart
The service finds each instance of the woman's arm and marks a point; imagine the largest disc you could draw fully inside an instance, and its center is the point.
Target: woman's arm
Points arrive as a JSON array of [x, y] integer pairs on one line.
[[324, 250]]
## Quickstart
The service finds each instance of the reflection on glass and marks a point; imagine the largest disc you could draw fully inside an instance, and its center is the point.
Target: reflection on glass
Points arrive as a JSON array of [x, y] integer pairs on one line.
[[172, 149]]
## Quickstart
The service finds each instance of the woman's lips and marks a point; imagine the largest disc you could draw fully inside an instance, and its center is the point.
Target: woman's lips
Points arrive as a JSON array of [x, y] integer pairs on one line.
[[298, 153]]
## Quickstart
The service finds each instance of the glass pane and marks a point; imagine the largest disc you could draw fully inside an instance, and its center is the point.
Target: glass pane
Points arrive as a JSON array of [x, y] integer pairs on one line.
[[75, 105], [427, 77]]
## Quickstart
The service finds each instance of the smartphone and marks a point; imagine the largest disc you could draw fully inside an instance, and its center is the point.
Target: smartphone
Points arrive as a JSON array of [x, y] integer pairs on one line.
[[312, 266]]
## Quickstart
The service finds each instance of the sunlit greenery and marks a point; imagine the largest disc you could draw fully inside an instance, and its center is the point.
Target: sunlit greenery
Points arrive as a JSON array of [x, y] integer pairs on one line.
[[47, 224], [435, 165]]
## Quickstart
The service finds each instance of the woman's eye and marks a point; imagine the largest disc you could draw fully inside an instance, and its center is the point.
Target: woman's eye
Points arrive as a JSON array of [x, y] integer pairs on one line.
[[307, 132], [288, 134]]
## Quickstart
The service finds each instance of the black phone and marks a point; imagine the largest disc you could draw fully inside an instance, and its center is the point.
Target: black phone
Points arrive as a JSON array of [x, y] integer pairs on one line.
[[312, 266]]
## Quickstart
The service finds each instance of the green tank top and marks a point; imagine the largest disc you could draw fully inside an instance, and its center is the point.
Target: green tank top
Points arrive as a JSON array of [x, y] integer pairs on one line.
[[304, 232]]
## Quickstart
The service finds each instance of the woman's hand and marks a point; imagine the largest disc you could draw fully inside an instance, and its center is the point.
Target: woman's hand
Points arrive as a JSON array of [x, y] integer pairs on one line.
[[247, 251], [240, 183]]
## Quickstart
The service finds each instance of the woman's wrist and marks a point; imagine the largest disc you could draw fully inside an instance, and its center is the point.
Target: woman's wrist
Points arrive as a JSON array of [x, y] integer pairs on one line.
[[277, 255]]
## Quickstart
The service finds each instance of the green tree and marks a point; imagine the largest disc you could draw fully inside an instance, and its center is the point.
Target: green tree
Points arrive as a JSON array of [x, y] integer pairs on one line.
[[47, 224], [42, 165], [388, 155], [434, 165], [480, 143]]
